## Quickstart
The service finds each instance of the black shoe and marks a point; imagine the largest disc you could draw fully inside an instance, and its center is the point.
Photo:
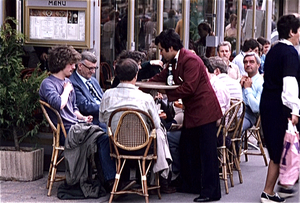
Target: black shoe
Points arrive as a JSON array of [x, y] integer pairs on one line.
[[286, 192], [266, 198], [204, 199], [165, 186], [109, 185]]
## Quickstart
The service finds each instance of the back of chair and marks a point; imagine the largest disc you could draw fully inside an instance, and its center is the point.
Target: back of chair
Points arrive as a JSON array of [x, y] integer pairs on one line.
[[132, 132], [59, 126], [231, 123], [105, 75]]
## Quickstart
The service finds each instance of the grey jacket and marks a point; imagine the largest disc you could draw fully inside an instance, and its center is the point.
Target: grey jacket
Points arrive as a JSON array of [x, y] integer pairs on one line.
[[80, 144]]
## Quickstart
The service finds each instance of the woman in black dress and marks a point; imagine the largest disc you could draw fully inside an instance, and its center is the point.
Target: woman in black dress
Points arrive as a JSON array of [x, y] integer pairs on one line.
[[279, 100]]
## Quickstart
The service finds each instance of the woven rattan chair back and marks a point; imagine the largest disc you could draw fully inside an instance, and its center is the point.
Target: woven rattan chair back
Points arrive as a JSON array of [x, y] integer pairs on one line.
[[56, 148], [132, 134]]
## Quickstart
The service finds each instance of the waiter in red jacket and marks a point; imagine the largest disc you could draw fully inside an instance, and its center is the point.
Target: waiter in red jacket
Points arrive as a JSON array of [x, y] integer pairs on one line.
[[198, 142]]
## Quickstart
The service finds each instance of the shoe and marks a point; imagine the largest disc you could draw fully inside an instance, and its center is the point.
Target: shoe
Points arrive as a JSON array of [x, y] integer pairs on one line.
[[165, 186], [109, 185], [286, 192], [168, 190], [204, 199], [266, 198]]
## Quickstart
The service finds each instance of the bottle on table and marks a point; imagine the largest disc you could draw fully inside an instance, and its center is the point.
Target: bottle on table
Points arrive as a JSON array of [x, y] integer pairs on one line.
[[170, 80]]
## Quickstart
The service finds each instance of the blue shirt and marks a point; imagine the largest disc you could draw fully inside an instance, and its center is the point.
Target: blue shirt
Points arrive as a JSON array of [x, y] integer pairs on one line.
[[251, 97]]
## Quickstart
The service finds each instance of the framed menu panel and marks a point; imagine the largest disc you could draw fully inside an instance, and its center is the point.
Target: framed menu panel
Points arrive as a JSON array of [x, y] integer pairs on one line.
[[58, 22]]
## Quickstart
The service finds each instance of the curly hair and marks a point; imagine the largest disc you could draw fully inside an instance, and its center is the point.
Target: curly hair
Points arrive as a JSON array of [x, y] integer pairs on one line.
[[135, 55], [60, 56]]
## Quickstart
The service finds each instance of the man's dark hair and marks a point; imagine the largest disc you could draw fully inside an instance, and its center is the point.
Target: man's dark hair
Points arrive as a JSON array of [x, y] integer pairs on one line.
[[204, 26], [169, 38], [250, 44], [126, 69], [207, 64], [232, 17], [60, 56], [263, 41], [171, 13], [287, 23], [135, 55]]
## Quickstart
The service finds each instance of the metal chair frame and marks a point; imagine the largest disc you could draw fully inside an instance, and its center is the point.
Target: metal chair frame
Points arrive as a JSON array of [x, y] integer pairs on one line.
[[131, 122], [56, 148]]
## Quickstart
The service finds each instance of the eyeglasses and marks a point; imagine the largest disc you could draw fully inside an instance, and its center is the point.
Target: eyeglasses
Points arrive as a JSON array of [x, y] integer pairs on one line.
[[90, 68]]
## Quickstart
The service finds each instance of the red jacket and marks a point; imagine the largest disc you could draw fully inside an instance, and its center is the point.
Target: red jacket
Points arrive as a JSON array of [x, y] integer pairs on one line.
[[200, 101]]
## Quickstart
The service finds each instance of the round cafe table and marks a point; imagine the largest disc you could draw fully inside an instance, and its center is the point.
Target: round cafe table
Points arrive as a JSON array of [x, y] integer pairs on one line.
[[155, 85]]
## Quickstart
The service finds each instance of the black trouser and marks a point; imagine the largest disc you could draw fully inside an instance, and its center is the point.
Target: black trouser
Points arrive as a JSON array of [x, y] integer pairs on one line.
[[199, 161]]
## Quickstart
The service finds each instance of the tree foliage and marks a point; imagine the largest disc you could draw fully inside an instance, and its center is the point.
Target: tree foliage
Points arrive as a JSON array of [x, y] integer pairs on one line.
[[18, 95]]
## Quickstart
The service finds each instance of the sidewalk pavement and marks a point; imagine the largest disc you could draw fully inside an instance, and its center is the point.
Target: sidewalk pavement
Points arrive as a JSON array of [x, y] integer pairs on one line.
[[254, 174]]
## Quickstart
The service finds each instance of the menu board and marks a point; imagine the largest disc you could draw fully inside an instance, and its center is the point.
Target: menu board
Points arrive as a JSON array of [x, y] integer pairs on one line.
[[48, 23], [57, 24]]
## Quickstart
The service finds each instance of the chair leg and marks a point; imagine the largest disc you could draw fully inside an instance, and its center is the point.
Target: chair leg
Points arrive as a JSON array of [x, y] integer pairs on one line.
[[262, 151], [246, 145], [50, 168], [157, 183], [53, 171], [144, 181], [117, 179], [236, 162], [229, 167], [224, 170]]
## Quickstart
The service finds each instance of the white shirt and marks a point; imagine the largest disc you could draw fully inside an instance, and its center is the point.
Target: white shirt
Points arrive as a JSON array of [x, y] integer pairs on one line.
[[127, 95], [222, 93], [239, 61], [234, 71]]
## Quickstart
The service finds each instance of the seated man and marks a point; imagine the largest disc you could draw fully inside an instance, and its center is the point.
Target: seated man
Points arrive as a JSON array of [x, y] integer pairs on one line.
[[252, 89], [224, 51], [220, 89], [87, 88], [220, 69], [126, 94], [250, 45], [58, 91]]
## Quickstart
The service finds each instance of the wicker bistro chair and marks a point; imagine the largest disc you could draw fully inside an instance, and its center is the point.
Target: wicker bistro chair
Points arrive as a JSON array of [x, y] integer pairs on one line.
[[57, 149], [132, 137], [106, 76], [230, 126], [254, 132]]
